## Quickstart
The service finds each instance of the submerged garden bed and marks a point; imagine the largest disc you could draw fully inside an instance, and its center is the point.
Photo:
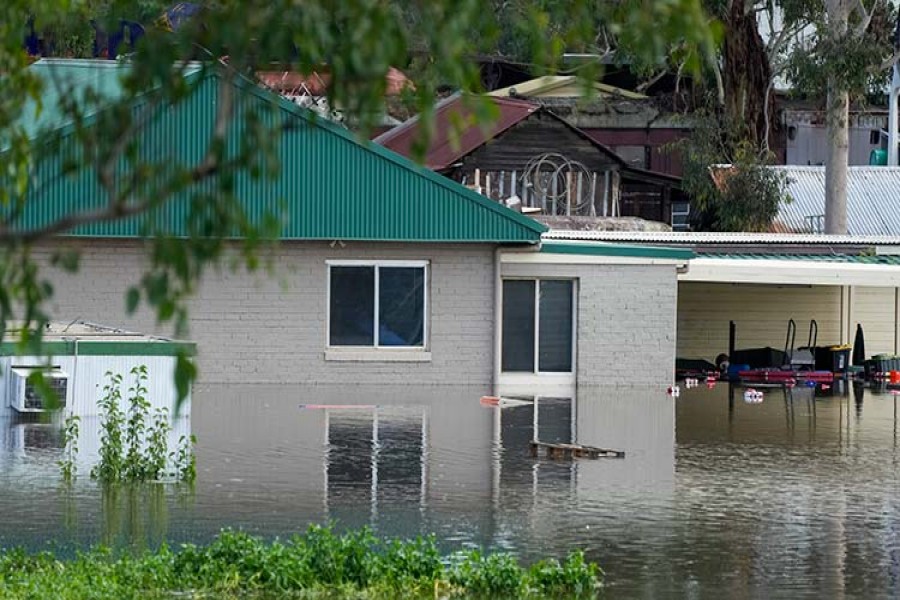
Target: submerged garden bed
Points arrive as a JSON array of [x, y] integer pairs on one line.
[[318, 564]]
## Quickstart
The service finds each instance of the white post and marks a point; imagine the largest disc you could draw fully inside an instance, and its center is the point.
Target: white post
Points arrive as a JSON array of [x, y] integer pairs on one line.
[[893, 118]]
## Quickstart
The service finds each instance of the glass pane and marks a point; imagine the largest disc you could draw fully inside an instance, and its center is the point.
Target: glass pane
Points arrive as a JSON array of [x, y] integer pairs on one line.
[[352, 309], [401, 306], [555, 335], [518, 326]]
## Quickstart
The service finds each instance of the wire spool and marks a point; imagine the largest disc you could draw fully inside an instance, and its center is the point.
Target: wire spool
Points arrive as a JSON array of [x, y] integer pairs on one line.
[[553, 180]]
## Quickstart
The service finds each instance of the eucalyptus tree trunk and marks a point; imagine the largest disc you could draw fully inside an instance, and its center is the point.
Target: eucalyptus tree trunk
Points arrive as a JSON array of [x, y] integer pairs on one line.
[[747, 74], [837, 113]]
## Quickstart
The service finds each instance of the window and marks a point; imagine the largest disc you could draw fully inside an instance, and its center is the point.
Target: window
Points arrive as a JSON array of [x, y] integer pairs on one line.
[[377, 304], [538, 317]]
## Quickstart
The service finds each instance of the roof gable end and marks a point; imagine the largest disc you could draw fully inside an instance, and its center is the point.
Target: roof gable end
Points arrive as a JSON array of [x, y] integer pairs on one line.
[[330, 186]]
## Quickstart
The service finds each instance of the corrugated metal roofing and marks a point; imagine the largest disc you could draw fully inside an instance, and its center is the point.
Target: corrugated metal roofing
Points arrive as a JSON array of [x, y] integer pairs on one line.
[[442, 151], [90, 83], [330, 185], [700, 238], [873, 200], [858, 259]]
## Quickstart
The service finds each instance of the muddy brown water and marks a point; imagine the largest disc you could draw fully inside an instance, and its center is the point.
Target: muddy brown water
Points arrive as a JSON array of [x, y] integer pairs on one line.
[[793, 497]]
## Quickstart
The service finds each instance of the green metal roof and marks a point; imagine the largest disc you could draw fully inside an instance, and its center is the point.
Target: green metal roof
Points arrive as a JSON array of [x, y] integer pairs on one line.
[[106, 348], [331, 186], [862, 259], [620, 250]]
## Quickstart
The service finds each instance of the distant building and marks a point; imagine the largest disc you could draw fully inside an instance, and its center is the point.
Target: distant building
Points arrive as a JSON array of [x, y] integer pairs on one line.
[[806, 137], [632, 125], [532, 156]]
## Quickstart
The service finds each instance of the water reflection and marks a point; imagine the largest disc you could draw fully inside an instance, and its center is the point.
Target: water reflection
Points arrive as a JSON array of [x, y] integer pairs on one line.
[[715, 497]]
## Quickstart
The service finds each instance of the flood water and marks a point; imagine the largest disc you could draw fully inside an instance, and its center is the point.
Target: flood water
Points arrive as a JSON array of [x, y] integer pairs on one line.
[[794, 497]]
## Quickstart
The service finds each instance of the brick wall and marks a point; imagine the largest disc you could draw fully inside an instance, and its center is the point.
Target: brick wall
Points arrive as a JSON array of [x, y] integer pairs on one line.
[[626, 320], [270, 327]]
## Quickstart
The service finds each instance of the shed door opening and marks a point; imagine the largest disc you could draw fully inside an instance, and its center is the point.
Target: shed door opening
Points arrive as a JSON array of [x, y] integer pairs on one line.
[[538, 326]]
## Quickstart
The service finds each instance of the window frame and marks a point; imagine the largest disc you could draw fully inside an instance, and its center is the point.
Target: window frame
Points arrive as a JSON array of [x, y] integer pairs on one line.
[[537, 325], [377, 265]]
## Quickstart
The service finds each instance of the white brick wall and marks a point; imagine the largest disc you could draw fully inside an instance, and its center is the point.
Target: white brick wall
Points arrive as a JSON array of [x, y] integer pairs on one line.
[[626, 320], [270, 327]]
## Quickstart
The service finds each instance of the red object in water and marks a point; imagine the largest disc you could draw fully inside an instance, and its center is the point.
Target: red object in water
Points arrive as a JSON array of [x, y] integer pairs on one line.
[[779, 376]]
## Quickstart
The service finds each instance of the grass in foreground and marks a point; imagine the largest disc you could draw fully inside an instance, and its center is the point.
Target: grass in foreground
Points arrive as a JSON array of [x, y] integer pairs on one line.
[[319, 564]]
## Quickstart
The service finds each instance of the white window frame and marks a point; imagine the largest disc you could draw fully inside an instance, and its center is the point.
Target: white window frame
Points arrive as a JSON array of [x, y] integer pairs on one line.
[[333, 352], [524, 376]]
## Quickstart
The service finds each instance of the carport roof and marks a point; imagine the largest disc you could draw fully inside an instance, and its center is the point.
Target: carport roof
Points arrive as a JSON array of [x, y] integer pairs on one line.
[[795, 269]]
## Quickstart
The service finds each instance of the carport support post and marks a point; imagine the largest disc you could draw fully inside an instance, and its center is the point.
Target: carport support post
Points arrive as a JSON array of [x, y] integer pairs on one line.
[[896, 320], [846, 313]]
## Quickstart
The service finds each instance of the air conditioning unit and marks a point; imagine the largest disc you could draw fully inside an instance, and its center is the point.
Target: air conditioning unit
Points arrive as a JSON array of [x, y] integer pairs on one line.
[[24, 396]]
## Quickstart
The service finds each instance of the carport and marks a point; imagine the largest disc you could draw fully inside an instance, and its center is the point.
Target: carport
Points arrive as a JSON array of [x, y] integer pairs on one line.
[[760, 281]]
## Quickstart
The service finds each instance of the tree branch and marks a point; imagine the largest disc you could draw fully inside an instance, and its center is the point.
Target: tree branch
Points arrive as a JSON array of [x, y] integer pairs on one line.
[[119, 207], [865, 18], [889, 62], [646, 84]]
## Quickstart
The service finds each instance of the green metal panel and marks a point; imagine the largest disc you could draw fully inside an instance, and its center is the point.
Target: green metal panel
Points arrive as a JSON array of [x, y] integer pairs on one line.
[[331, 186], [624, 250], [107, 348]]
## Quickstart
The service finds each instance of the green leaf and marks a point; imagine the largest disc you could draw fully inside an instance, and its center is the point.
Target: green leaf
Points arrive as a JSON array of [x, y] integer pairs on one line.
[[132, 298], [185, 374]]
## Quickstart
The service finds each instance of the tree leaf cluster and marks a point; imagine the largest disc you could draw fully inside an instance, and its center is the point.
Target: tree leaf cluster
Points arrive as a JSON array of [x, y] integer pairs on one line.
[[729, 180], [860, 58]]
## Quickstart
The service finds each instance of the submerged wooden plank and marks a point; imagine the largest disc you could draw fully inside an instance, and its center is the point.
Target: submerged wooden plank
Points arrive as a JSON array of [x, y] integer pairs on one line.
[[573, 451]]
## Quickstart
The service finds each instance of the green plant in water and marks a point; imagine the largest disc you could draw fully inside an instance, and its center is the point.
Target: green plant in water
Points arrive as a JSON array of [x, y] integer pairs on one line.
[[139, 406], [157, 455], [111, 465], [185, 461], [132, 451], [70, 434]]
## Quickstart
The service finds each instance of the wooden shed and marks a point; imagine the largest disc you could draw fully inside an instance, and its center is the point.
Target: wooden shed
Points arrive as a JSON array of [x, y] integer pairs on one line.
[[532, 156]]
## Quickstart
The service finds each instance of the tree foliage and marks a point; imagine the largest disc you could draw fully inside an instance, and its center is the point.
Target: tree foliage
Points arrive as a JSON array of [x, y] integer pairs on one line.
[[729, 180], [860, 59]]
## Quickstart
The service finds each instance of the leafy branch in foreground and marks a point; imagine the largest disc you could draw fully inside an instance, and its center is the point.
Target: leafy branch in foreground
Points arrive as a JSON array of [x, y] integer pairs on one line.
[[317, 564]]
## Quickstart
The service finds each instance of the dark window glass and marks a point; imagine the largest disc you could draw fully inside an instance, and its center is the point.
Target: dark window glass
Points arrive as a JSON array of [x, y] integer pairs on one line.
[[555, 329], [352, 311], [401, 306], [518, 326]]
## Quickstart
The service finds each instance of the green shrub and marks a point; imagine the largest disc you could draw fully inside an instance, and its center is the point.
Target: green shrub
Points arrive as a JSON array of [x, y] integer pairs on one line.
[[488, 576], [575, 578], [319, 564]]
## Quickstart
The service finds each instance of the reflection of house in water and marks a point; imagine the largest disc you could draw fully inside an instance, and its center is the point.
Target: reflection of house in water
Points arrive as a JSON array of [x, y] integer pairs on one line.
[[374, 456], [419, 460]]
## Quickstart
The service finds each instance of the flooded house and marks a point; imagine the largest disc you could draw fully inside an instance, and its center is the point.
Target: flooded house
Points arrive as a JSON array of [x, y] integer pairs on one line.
[[385, 272]]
